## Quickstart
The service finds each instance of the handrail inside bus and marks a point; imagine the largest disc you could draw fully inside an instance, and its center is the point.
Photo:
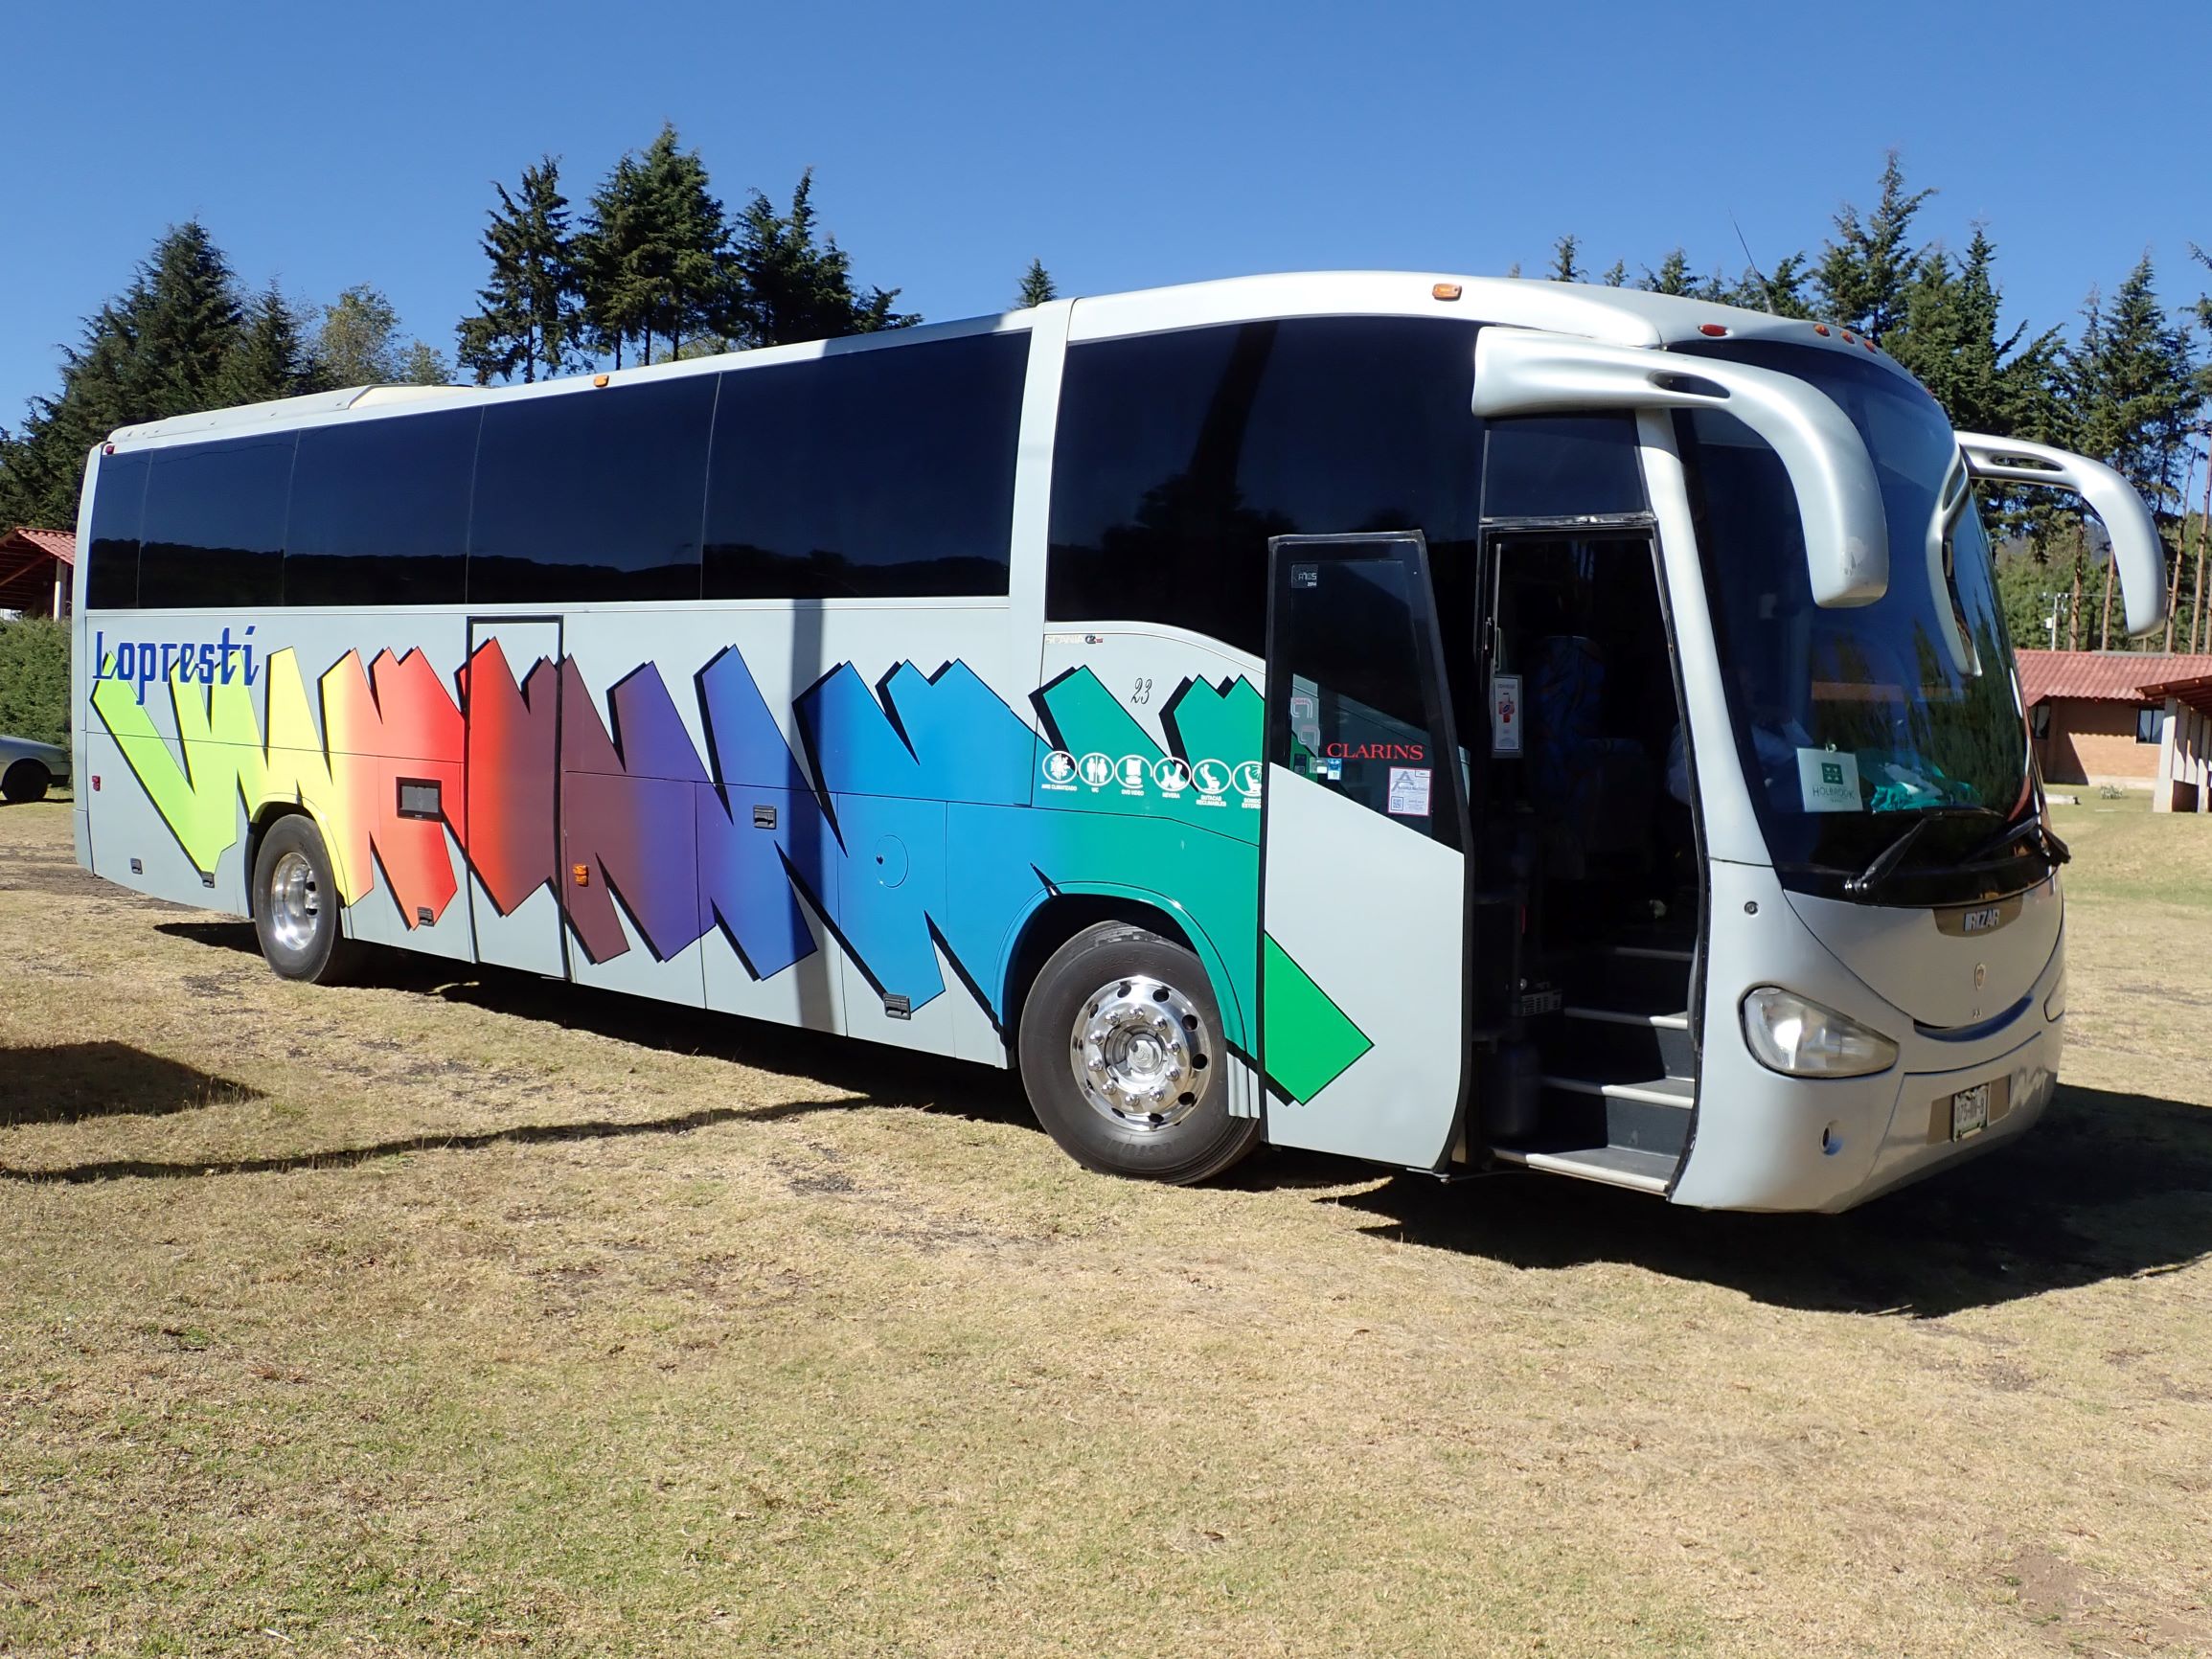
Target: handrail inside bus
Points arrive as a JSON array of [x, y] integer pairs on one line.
[[1525, 372], [2137, 554]]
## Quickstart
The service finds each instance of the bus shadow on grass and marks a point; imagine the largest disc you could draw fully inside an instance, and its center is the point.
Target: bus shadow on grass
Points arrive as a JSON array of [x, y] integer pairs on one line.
[[77, 1082], [2107, 1186], [888, 1077]]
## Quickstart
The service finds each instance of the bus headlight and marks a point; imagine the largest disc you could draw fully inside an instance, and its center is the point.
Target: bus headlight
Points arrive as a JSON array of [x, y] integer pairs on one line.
[[1802, 1039]]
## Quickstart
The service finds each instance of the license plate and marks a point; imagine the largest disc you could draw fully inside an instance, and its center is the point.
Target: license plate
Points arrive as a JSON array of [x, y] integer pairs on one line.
[[1970, 1112]]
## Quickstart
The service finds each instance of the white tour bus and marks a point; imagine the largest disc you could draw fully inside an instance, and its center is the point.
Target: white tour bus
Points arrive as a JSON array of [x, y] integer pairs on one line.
[[1454, 723]]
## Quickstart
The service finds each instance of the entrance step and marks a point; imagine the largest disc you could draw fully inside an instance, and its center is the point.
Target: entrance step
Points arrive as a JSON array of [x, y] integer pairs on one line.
[[1615, 1165], [1614, 1041], [1655, 978], [1642, 1114]]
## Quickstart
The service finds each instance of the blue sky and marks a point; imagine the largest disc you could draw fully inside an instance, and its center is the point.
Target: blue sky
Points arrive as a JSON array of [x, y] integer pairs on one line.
[[1128, 145]]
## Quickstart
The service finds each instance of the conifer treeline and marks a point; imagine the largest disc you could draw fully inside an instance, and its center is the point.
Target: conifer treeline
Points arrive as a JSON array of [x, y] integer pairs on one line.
[[653, 266], [2130, 388], [186, 335]]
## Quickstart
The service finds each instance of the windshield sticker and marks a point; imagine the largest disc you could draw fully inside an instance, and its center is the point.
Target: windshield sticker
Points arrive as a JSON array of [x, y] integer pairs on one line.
[[1409, 791], [1828, 781]]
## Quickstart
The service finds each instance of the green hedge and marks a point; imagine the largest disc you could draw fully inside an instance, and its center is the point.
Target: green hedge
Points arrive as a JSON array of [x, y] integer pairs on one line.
[[35, 679]]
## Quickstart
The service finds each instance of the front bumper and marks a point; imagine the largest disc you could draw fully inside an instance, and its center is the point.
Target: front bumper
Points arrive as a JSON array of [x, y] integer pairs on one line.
[[1763, 1141]]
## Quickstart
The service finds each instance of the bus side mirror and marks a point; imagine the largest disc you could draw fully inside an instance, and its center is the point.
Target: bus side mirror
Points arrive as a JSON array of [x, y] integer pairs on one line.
[[1523, 371], [2137, 554]]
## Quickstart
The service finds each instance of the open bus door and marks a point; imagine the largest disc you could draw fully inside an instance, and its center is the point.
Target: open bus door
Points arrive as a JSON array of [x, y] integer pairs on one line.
[[1363, 994]]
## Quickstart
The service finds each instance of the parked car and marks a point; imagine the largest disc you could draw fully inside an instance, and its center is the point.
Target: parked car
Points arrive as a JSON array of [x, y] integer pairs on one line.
[[27, 769]]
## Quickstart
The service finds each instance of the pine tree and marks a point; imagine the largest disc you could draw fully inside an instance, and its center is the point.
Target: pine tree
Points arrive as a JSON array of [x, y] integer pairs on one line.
[[1782, 293], [615, 257], [1951, 339], [1673, 277], [188, 320], [159, 349], [1865, 271], [1564, 269], [270, 358], [688, 270], [790, 288], [530, 314], [2137, 386], [1616, 274], [2139, 393], [1037, 286], [653, 255]]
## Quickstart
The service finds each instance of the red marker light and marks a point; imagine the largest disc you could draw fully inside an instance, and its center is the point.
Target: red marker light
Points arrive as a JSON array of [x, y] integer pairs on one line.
[[1713, 328], [1820, 329], [96, 783]]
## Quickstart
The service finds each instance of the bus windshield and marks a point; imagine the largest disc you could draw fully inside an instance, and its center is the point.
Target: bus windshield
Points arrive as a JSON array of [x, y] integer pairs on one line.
[[1856, 724]]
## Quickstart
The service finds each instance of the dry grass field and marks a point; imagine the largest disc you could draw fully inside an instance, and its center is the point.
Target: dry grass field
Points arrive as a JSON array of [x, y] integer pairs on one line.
[[461, 1312]]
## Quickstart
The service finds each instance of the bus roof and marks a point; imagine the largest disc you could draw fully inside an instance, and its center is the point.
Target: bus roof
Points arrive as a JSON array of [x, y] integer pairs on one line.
[[1618, 316]]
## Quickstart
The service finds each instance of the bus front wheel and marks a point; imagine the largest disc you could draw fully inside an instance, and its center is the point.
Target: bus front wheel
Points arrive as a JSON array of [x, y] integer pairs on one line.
[[1122, 1057], [296, 905]]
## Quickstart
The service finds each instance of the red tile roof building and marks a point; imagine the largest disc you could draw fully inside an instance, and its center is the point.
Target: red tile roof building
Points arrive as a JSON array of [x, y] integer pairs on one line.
[[2140, 719], [34, 566]]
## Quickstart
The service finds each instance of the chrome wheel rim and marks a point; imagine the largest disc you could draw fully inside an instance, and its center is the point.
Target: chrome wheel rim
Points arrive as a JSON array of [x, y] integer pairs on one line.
[[1141, 1054], [295, 904]]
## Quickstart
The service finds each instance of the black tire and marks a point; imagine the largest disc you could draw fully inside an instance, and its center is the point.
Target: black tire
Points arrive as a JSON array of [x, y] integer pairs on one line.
[[300, 929], [1095, 971], [26, 780]]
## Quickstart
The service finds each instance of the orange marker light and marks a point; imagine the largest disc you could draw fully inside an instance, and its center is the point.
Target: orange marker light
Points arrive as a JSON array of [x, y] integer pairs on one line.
[[1446, 291], [1820, 329], [582, 872], [599, 379]]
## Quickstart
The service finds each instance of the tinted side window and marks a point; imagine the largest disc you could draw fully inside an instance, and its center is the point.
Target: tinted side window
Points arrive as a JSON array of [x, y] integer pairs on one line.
[[380, 512], [1351, 639], [214, 532], [591, 495], [1179, 455], [1562, 466], [118, 504], [880, 473]]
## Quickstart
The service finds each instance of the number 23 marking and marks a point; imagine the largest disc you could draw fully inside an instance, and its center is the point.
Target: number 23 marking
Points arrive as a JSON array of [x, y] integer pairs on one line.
[[1141, 692]]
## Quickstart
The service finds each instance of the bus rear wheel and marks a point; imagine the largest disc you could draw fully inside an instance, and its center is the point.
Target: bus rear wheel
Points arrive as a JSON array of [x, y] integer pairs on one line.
[[1122, 1057], [296, 905]]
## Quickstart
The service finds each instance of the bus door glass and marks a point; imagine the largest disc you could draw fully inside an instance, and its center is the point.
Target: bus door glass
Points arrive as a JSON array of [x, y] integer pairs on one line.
[[1363, 995], [513, 702]]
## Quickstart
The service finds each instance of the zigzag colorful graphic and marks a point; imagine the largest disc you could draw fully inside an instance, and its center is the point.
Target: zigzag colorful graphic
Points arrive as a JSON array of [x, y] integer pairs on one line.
[[918, 824]]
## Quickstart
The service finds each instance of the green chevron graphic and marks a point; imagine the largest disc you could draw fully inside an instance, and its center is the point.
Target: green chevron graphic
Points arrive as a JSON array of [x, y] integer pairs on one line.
[[1308, 1040]]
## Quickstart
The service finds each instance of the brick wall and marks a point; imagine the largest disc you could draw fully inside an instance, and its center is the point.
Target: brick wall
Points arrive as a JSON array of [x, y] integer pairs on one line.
[[2091, 741]]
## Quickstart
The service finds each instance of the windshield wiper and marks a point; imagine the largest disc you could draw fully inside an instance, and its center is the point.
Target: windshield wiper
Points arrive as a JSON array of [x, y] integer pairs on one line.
[[2054, 849], [1867, 882]]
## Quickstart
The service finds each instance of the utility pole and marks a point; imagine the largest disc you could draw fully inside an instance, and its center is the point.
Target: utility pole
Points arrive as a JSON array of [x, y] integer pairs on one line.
[[2058, 601], [2197, 605]]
